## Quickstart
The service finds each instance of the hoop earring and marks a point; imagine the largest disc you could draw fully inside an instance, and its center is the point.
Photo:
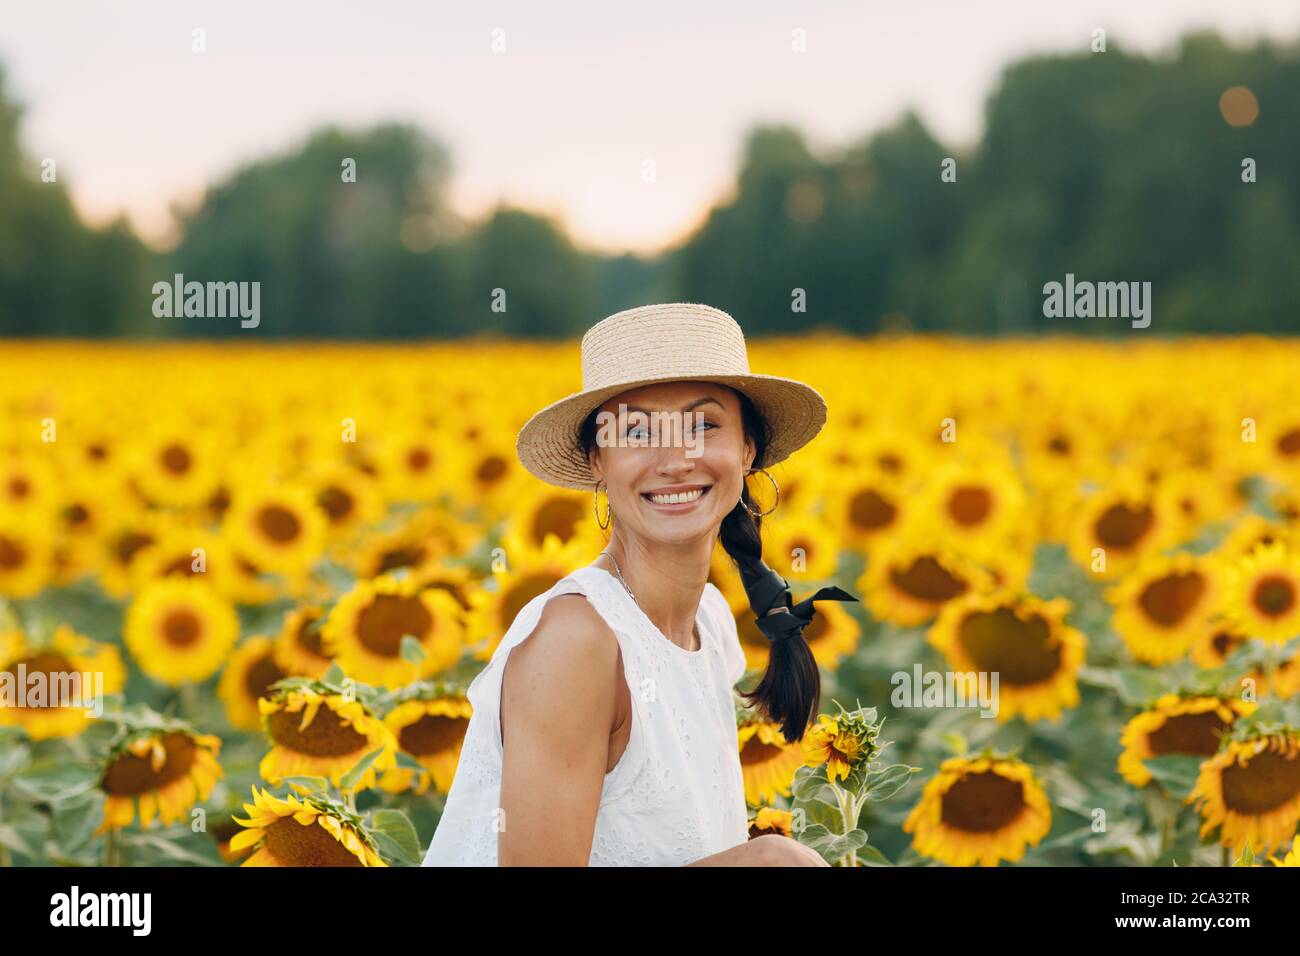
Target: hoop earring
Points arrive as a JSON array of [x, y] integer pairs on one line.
[[595, 503], [775, 487]]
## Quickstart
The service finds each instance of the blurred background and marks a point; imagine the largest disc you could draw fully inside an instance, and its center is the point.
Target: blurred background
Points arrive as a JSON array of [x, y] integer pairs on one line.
[[600, 159]]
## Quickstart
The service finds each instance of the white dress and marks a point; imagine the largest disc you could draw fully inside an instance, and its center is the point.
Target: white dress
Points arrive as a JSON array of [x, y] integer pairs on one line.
[[676, 794]]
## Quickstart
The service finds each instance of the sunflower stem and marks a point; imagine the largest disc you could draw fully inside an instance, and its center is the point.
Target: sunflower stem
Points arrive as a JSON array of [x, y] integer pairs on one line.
[[108, 846], [849, 817]]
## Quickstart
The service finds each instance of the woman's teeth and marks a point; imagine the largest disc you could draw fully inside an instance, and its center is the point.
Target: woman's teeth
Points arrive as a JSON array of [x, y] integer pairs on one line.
[[677, 498]]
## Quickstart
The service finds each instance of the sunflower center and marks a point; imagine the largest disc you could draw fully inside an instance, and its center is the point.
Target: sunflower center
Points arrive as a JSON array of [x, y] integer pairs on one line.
[[129, 545], [296, 844], [308, 635], [1225, 643], [1196, 734], [131, 775], [326, 736], [759, 752], [181, 566], [1169, 600], [1273, 596], [890, 463], [1289, 444], [870, 511], [53, 666], [12, 554], [181, 627], [927, 580], [491, 469], [279, 524], [970, 505], [1019, 651], [431, 734], [335, 502], [76, 515], [558, 516], [982, 802], [408, 556], [1123, 527], [175, 459], [1268, 780], [387, 619], [261, 676], [523, 591], [418, 459]]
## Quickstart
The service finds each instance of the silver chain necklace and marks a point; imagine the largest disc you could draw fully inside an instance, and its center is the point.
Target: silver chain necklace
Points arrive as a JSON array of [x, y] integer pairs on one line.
[[620, 575], [619, 571]]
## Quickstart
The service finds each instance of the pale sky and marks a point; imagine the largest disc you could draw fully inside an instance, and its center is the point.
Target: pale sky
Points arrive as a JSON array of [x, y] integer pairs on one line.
[[562, 120]]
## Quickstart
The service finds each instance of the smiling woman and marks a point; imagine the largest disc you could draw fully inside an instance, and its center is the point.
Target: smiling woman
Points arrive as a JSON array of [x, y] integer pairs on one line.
[[562, 763]]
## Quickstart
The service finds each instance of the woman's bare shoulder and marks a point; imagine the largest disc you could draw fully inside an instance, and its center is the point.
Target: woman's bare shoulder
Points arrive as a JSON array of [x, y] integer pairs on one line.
[[569, 638]]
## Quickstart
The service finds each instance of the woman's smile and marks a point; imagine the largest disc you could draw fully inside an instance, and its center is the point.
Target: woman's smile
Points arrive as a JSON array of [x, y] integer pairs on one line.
[[675, 499]]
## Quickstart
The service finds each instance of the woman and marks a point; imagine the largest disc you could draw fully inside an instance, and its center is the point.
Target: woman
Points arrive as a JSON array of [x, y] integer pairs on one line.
[[610, 739]]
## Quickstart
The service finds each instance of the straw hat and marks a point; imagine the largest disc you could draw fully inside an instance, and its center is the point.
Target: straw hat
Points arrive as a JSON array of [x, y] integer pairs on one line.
[[678, 341]]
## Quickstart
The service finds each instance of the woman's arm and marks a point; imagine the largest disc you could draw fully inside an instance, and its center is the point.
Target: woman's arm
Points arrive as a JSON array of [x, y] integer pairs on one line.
[[768, 849], [558, 706]]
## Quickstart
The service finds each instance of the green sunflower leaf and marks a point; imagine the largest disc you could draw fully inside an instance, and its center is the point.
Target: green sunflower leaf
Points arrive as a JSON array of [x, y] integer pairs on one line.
[[412, 650], [1175, 772], [349, 780], [395, 836], [310, 783]]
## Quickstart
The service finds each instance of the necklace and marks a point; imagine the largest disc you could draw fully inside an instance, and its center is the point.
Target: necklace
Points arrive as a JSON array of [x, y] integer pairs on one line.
[[619, 571]]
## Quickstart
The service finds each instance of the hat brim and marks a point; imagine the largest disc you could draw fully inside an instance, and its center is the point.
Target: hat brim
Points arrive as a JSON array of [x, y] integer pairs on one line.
[[548, 443]]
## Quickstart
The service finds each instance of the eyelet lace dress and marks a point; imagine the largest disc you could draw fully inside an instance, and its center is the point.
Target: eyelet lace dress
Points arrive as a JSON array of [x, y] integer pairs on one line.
[[676, 794]]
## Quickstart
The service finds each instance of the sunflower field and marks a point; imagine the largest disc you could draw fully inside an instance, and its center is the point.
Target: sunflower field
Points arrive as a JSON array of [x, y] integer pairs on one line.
[[284, 564]]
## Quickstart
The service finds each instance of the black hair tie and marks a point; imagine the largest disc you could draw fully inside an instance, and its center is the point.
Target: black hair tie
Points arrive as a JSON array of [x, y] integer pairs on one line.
[[767, 590]]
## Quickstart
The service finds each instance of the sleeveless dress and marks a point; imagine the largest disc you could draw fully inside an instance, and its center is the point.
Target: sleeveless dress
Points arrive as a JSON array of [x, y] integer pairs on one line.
[[677, 792]]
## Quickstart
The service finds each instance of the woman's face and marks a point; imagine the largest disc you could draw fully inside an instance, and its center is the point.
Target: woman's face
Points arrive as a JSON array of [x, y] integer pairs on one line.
[[679, 439]]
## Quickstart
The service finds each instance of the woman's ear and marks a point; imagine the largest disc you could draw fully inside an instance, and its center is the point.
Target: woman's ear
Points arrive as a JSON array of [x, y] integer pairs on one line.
[[593, 462], [749, 453]]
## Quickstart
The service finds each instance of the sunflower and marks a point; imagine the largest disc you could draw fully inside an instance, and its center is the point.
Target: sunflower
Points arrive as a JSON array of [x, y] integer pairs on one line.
[[1220, 638], [278, 529], [26, 559], [131, 532], [316, 732], [432, 732], [179, 631], [490, 475], [868, 508], [1192, 725], [1164, 603], [299, 648], [840, 744], [1114, 527], [364, 631], [248, 675], [975, 505], [550, 510], [29, 487], [980, 811], [767, 760], [1264, 592], [1250, 790], [65, 657], [183, 550], [1021, 638], [908, 582], [310, 831], [166, 772], [771, 820], [177, 465], [801, 546], [414, 465], [1254, 529], [347, 497], [222, 832], [527, 572]]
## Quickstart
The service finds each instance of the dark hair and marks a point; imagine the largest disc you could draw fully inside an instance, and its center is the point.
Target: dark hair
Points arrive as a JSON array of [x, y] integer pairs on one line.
[[790, 692]]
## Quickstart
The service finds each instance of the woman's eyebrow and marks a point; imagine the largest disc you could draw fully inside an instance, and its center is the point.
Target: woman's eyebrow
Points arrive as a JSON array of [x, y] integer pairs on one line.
[[686, 408]]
